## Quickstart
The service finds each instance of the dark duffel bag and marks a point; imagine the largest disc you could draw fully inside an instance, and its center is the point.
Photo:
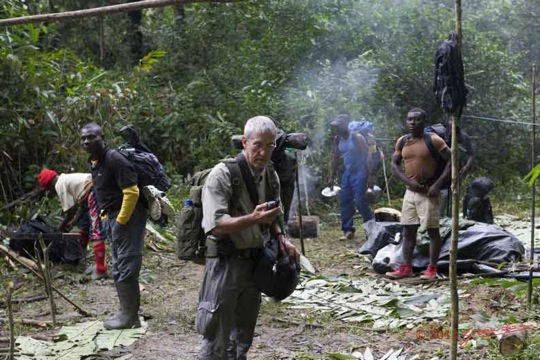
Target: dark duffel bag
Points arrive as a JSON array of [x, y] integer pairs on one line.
[[274, 273]]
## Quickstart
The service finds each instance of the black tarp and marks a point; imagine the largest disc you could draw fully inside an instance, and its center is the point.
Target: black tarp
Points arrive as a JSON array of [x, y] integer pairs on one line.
[[481, 247], [62, 250]]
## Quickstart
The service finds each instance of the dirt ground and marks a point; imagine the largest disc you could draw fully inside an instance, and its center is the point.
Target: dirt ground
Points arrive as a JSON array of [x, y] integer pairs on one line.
[[169, 302]]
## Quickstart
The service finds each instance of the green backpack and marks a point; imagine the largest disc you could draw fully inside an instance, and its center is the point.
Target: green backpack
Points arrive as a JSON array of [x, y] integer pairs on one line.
[[190, 237]]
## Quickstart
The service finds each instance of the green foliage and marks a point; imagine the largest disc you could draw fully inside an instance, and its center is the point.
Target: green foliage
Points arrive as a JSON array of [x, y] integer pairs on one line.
[[533, 175], [204, 69]]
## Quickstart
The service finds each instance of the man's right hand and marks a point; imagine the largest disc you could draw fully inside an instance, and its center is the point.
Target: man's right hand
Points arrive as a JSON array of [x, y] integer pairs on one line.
[[264, 216], [416, 186]]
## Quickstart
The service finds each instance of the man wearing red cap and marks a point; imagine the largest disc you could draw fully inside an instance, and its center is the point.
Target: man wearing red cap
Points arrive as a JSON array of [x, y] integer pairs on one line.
[[75, 192]]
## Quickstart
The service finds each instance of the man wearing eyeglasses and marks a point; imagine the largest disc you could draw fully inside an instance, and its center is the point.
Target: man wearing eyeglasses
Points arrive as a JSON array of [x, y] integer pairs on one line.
[[237, 228]]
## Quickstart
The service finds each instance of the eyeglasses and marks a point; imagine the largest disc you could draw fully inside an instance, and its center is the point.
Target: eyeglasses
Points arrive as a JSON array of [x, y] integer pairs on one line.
[[259, 146]]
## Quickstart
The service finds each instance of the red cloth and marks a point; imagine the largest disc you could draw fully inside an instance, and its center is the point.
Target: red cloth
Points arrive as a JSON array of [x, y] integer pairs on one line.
[[99, 256], [45, 176], [84, 239]]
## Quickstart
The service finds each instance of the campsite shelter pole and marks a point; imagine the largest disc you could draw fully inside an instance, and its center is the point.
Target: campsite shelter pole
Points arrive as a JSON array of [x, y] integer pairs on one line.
[[455, 206], [99, 11], [300, 223], [533, 188]]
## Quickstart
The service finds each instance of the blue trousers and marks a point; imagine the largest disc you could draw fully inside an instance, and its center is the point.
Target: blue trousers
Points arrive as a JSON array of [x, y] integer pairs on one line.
[[353, 191]]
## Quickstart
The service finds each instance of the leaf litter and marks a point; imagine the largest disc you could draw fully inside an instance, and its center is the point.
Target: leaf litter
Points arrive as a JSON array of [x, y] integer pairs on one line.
[[387, 305], [81, 340]]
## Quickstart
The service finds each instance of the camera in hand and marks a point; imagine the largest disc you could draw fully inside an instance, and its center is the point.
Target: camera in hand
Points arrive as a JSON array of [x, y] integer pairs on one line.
[[272, 204]]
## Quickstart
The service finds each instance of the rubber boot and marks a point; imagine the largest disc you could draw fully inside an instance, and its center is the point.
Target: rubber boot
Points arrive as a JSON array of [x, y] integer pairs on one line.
[[116, 314], [128, 316], [99, 256]]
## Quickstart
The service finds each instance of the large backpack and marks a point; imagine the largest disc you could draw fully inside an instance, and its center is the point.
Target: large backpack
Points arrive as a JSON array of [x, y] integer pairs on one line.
[[476, 204], [190, 237], [148, 168], [366, 128], [441, 162], [449, 80]]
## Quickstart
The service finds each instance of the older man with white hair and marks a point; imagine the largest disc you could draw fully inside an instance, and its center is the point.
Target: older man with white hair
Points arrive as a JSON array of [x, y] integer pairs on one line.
[[237, 228]]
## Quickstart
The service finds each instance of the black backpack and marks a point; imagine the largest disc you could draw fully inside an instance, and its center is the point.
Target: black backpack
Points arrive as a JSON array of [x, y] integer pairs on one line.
[[449, 81], [441, 162], [476, 204], [148, 168]]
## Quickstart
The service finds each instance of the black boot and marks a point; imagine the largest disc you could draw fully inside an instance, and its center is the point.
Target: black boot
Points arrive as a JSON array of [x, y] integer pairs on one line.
[[130, 298]]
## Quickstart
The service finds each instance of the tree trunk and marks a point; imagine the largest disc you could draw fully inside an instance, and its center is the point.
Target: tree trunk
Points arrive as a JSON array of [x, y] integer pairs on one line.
[[310, 227], [513, 343], [180, 17], [134, 34]]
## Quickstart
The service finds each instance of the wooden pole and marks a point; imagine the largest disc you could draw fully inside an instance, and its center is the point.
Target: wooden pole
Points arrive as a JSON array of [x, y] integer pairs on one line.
[[386, 182], [9, 291], [103, 10], [300, 223], [45, 269], [38, 275], [533, 187], [455, 206]]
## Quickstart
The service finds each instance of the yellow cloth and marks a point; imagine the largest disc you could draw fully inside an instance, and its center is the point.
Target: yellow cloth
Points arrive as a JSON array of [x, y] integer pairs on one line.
[[129, 201]]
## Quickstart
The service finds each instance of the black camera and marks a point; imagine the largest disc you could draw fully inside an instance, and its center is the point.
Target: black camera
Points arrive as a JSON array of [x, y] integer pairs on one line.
[[272, 204]]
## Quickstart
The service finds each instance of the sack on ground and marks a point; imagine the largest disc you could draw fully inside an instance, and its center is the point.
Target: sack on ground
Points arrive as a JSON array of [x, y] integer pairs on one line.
[[274, 273], [62, 250]]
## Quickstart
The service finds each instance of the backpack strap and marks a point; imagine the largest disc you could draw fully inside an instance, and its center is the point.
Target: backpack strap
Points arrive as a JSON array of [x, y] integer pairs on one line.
[[430, 146], [403, 141], [248, 179], [236, 177], [428, 141]]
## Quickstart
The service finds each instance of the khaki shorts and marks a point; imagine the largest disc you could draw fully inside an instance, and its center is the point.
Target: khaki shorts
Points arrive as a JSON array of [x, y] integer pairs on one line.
[[419, 209]]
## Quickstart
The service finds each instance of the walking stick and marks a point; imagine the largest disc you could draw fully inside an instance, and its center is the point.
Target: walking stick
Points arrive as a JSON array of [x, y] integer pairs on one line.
[[301, 225], [533, 188], [386, 181]]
